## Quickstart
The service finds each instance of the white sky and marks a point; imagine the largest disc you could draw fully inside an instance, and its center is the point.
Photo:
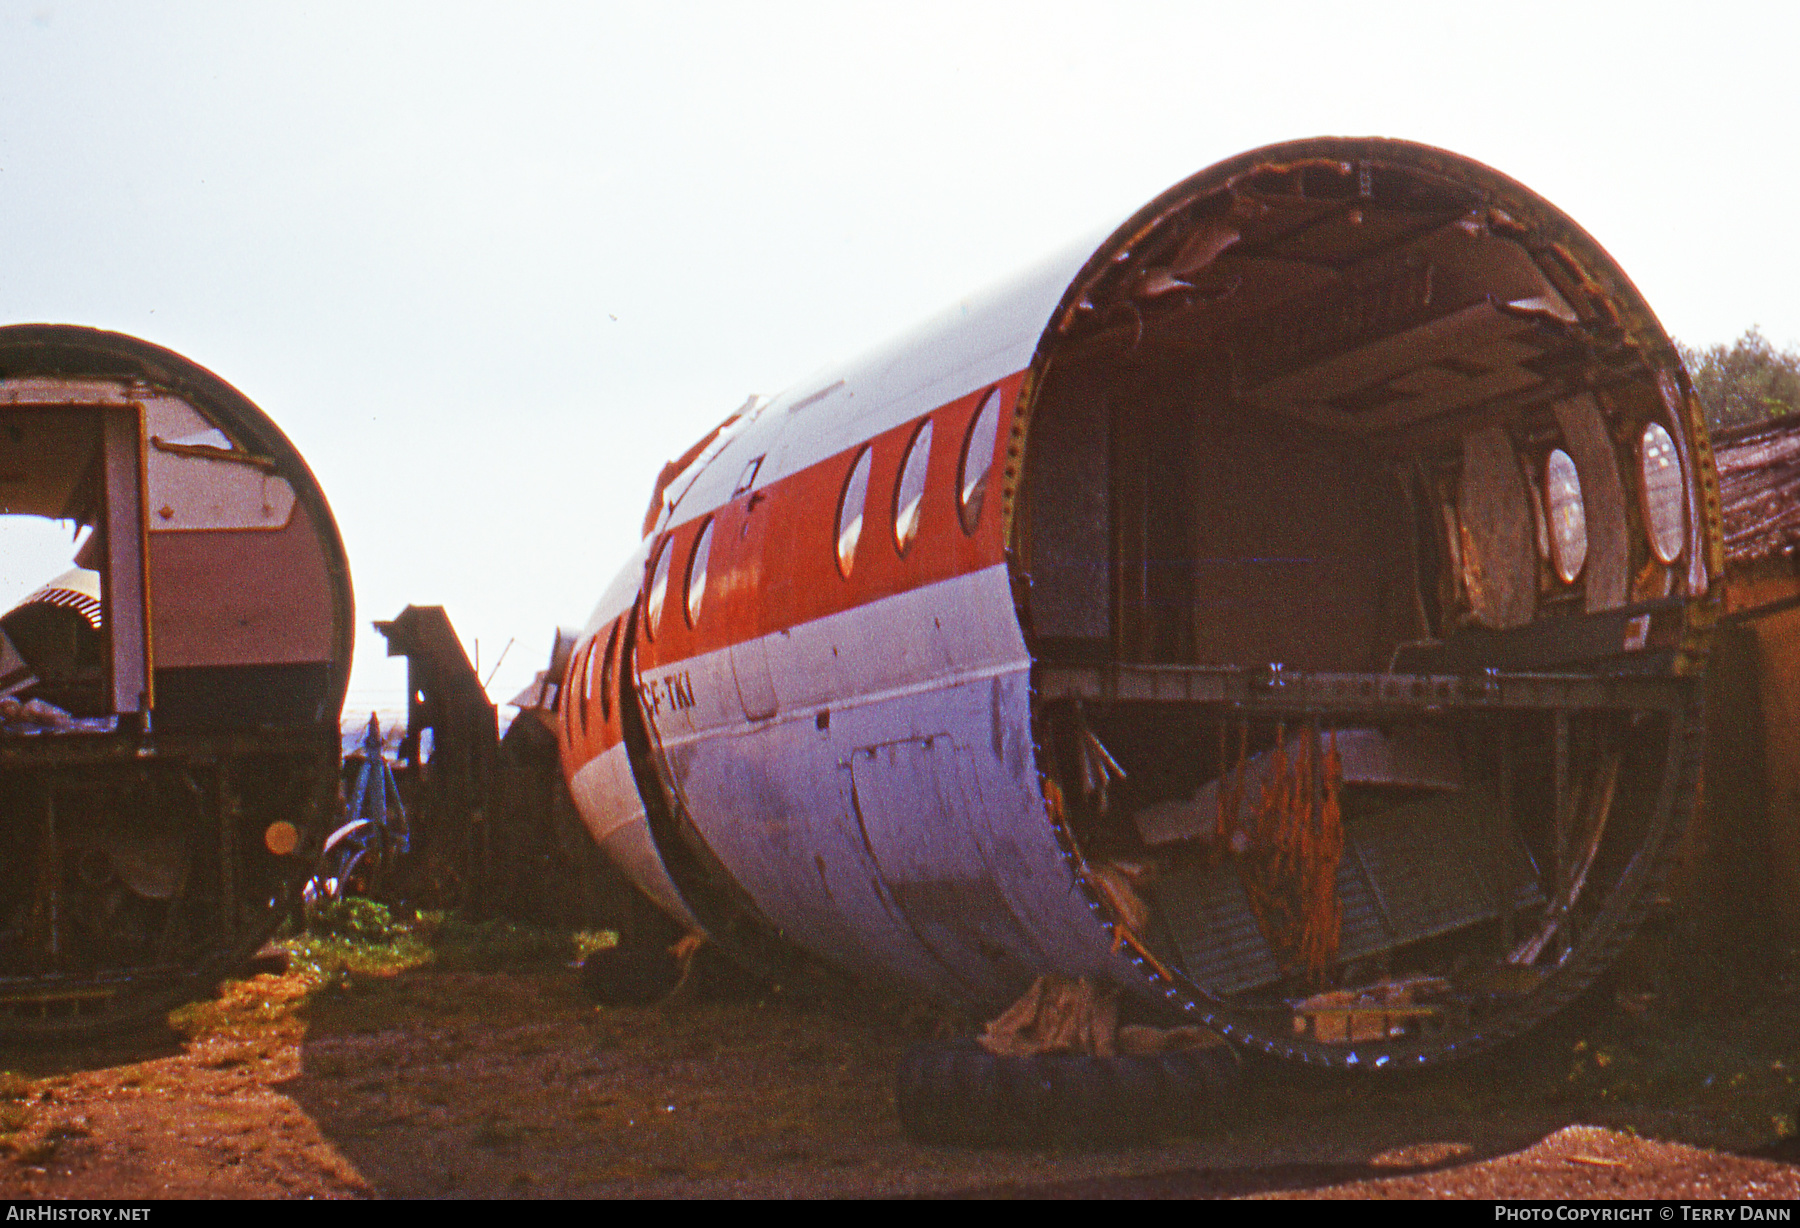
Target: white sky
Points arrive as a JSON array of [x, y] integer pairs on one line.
[[489, 266]]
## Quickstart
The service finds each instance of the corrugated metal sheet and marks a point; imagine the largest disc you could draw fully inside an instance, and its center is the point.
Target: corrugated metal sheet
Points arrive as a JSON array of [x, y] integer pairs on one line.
[[1759, 487], [1407, 874]]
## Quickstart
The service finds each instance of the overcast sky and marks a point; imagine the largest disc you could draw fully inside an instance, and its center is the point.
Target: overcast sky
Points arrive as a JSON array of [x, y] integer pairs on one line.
[[489, 266]]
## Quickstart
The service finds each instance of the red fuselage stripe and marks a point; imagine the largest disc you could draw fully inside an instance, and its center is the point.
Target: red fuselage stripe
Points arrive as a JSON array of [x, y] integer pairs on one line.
[[773, 562]]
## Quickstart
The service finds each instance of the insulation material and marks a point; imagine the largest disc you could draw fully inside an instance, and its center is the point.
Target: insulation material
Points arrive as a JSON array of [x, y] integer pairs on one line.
[[1296, 844], [1499, 559], [1058, 1014], [1139, 1040]]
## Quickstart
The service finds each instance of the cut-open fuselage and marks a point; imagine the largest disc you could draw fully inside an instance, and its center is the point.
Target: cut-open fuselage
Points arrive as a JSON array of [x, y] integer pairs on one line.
[[169, 696], [1288, 609]]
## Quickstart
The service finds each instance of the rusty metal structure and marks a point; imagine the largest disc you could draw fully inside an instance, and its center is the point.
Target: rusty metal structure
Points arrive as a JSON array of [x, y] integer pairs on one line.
[[494, 831], [1743, 857], [448, 757], [169, 707]]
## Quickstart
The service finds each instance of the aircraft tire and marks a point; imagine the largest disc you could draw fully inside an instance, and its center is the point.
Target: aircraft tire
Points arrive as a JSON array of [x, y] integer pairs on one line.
[[955, 1093]]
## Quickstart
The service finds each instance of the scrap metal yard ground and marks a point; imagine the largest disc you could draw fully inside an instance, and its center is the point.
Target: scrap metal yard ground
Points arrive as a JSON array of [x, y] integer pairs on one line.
[[429, 1083]]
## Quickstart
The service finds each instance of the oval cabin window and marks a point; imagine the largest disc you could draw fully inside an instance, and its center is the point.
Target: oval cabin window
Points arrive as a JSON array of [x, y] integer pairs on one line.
[[659, 589], [583, 669], [565, 698], [909, 492], [1568, 516], [587, 681], [977, 461], [606, 671], [850, 511], [696, 578], [1665, 503]]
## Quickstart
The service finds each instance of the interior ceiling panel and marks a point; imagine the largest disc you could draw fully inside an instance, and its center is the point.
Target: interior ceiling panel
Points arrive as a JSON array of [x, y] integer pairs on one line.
[[1351, 233]]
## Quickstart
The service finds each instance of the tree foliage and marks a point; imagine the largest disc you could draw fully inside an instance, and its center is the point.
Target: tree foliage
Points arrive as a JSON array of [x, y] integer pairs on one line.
[[1746, 382]]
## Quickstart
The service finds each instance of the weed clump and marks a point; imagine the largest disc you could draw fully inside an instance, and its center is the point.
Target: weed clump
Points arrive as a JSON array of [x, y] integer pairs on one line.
[[356, 935], [358, 920]]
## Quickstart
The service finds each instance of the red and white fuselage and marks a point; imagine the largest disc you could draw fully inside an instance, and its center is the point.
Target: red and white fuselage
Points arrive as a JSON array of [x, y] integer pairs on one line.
[[1305, 440], [864, 712]]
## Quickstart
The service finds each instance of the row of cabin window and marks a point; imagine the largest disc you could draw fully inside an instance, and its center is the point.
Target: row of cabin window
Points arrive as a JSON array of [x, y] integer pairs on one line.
[[973, 467], [909, 495], [1664, 504], [582, 669], [976, 462], [1662, 487]]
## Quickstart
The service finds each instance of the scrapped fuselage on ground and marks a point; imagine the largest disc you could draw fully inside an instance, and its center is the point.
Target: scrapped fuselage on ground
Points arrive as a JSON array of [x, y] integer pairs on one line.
[[1288, 606], [169, 705]]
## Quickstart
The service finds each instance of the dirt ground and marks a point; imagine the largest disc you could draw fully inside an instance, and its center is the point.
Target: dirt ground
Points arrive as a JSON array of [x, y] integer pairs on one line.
[[426, 1083]]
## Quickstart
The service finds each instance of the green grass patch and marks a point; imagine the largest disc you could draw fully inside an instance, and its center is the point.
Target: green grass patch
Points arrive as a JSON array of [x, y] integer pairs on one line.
[[356, 967], [498, 945], [365, 936]]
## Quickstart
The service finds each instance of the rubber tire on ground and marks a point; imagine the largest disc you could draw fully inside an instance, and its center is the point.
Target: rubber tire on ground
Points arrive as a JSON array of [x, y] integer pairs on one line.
[[957, 1093]]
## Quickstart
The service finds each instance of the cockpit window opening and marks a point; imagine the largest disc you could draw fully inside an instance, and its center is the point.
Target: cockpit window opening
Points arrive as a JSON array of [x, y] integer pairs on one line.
[[696, 572], [909, 490], [748, 478], [977, 460], [850, 511], [1568, 516], [1665, 503], [659, 588]]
